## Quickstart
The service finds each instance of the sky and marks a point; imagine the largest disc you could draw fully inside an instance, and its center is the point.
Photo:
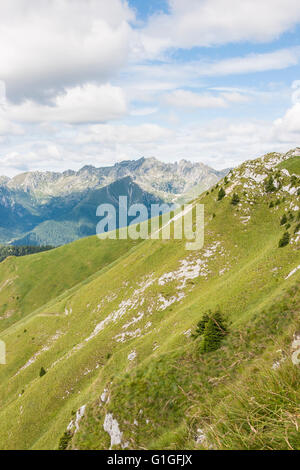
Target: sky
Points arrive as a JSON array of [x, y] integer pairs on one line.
[[92, 82]]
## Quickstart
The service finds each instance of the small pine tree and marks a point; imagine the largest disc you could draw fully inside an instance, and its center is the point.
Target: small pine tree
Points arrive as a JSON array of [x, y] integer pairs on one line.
[[293, 180], [213, 333], [271, 204], [201, 326], [42, 372], [283, 220], [209, 341], [285, 240], [235, 199], [221, 194], [269, 186]]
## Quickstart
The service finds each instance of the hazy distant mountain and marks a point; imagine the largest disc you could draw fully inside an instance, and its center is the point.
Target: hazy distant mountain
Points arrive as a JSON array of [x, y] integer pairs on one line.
[[56, 208], [151, 174], [70, 218]]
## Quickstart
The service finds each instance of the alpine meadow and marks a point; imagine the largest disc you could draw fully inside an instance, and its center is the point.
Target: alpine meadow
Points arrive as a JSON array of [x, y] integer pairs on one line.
[[149, 231], [113, 324]]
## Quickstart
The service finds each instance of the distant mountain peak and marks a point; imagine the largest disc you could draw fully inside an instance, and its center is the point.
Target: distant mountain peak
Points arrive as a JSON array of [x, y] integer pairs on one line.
[[151, 174]]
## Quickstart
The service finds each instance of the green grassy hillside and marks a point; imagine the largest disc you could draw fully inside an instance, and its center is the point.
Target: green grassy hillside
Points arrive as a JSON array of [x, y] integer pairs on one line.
[[28, 283], [111, 323]]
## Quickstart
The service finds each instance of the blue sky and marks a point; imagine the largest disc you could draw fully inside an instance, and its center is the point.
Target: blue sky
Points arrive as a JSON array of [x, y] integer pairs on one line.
[[96, 82]]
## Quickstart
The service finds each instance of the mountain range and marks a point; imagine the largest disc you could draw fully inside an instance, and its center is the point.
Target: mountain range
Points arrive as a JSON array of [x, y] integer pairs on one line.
[[141, 344], [47, 208]]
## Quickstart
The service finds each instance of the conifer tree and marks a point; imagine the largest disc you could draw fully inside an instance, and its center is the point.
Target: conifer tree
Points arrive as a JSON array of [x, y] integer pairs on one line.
[[283, 220], [213, 329], [42, 372], [201, 325], [270, 187], [235, 199], [285, 240], [221, 194]]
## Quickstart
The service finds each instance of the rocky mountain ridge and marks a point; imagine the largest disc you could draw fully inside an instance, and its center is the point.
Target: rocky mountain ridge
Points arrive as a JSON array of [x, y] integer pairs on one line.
[[149, 173], [48, 208]]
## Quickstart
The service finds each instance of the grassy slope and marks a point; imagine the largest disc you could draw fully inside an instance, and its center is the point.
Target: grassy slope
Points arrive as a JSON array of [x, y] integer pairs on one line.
[[28, 283], [162, 396], [292, 165]]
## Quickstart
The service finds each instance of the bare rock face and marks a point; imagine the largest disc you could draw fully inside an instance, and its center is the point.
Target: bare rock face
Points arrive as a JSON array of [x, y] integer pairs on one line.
[[151, 174]]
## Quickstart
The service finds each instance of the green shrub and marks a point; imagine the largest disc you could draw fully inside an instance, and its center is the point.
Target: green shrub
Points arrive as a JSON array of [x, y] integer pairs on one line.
[[297, 228], [269, 185], [221, 194], [201, 326], [42, 372], [294, 180], [213, 334], [284, 240], [64, 440], [235, 199], [283, 220], [212, 329]]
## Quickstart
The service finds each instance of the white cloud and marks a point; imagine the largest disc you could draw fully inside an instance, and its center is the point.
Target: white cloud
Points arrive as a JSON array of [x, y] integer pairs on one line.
[[290, 122], [65, 62], [212, 22], [220, 143], [236, 97], [143, 111], [251, 63], [172, 75], [47, 45], [124, 134], [189, 99], [7, 127], [87, 103]]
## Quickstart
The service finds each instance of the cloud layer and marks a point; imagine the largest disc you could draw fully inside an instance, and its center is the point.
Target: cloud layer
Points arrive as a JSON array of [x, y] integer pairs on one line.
[[214, 22], [48, 45], [88, 83]]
